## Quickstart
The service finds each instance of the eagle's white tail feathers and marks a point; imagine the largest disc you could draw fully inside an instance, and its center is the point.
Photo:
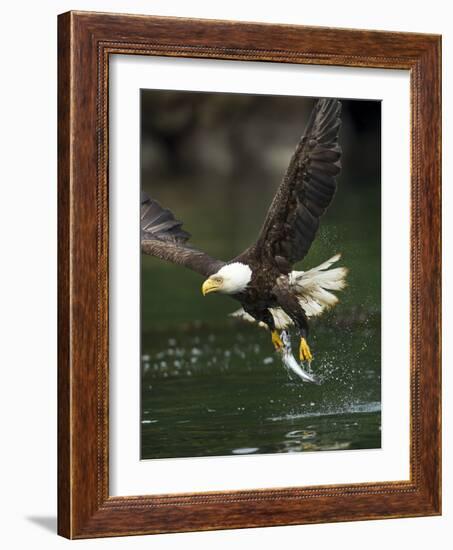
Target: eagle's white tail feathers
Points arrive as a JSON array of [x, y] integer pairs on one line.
[[312, 289]]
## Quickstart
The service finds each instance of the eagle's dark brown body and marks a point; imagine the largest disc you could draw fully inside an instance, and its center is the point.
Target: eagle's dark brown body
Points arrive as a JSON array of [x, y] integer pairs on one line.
[[269, 288], [260, 290]]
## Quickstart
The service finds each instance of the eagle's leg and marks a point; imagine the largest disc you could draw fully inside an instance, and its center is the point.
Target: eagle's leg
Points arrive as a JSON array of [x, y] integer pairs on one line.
[[302, 324], [291, 306], [265, 316], [304, 350], [276, 340]]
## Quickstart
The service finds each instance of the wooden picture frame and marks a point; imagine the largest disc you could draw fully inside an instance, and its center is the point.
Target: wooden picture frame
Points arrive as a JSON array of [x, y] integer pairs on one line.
[[85, 41]]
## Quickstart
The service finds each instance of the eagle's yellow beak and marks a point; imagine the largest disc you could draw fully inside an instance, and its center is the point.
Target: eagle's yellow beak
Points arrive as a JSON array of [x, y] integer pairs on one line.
[[210, 285]]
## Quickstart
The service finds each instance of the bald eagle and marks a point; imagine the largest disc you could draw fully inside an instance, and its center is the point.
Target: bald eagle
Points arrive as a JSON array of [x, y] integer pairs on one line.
[[262, 278]]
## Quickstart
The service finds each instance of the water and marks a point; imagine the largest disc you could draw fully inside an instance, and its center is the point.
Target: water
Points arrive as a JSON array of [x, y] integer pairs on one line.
[[223, 391], [213, 386]]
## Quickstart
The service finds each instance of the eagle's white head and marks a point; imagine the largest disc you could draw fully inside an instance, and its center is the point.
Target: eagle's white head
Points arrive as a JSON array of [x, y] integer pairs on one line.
[[230, 279]]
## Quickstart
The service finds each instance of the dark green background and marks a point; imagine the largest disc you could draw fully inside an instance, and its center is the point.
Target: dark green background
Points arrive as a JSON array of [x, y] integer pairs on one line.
[[212, 385]]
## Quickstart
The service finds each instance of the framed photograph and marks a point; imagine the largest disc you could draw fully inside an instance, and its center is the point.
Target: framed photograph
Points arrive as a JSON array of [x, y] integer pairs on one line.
[[249, 275]]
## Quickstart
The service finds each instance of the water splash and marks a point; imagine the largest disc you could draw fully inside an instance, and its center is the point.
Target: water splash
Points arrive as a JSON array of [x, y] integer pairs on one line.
[[292, 365]]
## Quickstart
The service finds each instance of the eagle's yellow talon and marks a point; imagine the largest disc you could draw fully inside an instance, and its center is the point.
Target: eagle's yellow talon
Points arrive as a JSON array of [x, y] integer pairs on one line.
[[304, 351], [277, 341]]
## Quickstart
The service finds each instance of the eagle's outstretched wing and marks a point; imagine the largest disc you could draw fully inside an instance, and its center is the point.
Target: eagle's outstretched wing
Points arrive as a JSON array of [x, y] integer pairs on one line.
[[305, 192], [162, 236]]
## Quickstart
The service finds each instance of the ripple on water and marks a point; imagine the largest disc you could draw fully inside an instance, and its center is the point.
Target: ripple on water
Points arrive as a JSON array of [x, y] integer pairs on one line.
[[245, 450], [301, 434], [354, 408]]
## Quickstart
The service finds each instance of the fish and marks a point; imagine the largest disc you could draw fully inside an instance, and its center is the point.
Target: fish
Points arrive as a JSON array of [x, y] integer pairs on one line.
[[291, 364]]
